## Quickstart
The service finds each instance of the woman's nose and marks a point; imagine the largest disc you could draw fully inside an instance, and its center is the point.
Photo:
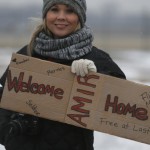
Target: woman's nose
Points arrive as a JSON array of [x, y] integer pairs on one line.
[[61, 15]]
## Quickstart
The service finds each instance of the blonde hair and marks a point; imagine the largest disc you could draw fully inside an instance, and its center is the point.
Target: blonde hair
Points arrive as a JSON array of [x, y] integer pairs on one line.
[[38, 29]]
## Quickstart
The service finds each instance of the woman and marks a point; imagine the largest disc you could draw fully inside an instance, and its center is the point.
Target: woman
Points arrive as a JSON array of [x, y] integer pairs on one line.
[[62, 38]]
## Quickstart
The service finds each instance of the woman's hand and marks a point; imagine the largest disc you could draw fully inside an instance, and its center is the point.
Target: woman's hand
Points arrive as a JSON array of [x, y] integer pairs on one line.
[[82, 67]]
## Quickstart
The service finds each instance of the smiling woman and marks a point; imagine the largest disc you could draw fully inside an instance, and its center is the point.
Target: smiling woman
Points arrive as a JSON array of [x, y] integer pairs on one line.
[[64, 38], [61, 20]]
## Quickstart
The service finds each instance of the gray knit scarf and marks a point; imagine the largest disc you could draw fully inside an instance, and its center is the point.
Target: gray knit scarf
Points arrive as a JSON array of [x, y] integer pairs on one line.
[[71, 47]]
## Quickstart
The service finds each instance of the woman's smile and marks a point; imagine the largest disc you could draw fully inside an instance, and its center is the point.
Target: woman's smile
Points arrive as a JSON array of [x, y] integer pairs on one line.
[[60, 25]]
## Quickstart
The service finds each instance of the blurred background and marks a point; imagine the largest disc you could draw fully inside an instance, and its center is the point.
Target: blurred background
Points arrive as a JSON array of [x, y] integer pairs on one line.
[[117, 24], [120, 27]]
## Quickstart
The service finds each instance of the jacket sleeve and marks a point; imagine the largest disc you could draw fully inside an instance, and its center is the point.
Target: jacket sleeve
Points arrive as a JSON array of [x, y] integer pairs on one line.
[[106, 65], [5, 115], [109, 67], [4, 119]]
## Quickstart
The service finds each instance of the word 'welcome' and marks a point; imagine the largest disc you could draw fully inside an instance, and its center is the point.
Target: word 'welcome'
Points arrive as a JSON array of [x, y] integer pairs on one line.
[[18, 85]]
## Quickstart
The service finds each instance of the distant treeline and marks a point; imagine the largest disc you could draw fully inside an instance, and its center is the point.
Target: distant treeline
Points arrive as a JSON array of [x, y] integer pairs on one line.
[[111, 27], [16, 20]]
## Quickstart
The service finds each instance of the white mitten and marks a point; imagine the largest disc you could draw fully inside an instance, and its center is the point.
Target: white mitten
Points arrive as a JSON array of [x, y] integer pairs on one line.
[[82, 67]]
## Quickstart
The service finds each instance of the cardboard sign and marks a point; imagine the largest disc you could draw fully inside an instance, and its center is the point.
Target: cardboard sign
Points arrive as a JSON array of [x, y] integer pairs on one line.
[[97, 102]]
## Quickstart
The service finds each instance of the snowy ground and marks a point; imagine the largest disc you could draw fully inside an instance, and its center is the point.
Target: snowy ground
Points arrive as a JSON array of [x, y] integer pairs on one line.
[[136, 65]]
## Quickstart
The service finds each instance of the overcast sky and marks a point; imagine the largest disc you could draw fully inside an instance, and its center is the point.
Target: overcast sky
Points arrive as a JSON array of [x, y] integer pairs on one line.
[[94, 5]]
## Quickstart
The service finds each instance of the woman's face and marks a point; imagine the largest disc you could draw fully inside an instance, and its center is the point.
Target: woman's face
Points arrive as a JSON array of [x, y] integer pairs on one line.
[[61, 20]]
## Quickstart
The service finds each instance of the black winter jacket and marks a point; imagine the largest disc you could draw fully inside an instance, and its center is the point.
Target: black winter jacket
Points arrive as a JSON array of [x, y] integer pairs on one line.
[[53, 135]]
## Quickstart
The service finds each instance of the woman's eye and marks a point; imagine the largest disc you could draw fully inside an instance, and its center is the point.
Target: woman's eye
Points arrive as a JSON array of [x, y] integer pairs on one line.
[[70, 11], [54, 9]]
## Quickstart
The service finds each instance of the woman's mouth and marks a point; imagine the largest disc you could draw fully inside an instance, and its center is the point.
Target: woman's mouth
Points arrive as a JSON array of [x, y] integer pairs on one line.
[[61, 25]]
